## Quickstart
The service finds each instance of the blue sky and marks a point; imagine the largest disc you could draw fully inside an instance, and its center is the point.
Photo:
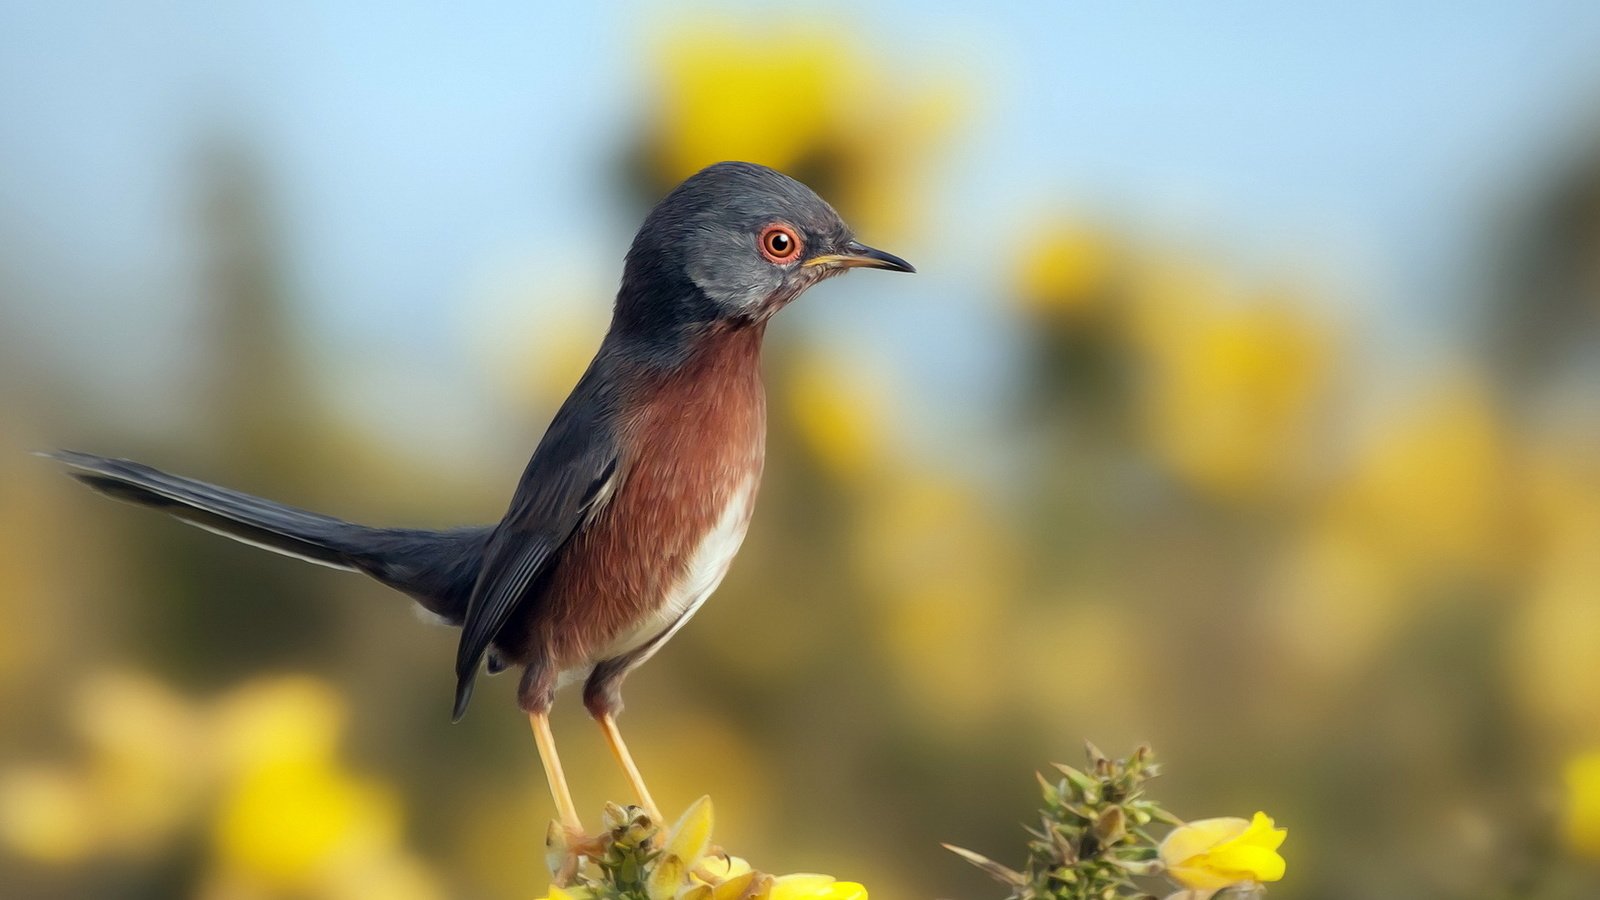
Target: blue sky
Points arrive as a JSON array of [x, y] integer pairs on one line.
[[418, 155]]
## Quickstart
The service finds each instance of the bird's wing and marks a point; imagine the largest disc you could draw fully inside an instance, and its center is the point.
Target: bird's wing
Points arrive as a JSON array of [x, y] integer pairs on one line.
[[565, 483]]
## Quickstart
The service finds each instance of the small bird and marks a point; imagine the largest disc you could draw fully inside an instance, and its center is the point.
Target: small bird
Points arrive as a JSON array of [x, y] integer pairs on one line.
[[639, 494]]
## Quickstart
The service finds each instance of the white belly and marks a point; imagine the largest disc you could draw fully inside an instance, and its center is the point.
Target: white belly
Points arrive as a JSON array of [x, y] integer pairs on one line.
[[701, 574]]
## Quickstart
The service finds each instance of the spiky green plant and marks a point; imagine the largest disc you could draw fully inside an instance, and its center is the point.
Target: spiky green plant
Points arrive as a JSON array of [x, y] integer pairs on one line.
[[1090, 841]]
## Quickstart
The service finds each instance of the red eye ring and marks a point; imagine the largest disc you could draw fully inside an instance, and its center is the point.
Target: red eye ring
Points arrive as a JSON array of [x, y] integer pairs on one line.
[[779, 244]]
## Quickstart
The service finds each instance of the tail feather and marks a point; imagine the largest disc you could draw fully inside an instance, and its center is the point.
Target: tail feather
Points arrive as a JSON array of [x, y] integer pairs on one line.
[[436, 568]]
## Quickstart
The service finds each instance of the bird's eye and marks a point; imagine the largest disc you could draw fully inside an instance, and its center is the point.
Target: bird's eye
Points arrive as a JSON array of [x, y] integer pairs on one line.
[[779, 243]]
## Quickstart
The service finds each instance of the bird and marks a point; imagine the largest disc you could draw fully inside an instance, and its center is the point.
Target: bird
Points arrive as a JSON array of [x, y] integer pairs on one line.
[[638, 495]]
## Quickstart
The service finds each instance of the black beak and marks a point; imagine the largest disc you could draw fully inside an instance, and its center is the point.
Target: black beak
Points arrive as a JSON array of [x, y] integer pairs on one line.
[[858, 255]]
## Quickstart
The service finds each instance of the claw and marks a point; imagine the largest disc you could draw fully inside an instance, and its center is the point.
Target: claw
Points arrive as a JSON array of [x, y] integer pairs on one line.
[[558, 858], [565, 849]]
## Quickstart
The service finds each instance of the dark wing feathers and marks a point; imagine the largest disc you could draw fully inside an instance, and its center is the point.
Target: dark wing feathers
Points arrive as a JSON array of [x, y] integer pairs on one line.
[[564, 483], [488, 610]]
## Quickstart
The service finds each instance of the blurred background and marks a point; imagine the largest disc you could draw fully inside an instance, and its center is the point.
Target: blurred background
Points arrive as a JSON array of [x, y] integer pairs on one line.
[[1245, 403]]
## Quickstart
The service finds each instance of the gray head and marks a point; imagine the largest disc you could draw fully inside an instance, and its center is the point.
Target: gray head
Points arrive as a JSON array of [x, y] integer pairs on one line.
[[736, 241]]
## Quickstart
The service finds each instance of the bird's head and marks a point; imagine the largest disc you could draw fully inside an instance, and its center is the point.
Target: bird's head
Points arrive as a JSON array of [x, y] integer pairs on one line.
[[737, 241]]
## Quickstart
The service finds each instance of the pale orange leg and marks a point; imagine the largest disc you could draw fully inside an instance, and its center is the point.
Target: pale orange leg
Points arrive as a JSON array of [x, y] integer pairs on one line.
[[608, 724], [552, 772]]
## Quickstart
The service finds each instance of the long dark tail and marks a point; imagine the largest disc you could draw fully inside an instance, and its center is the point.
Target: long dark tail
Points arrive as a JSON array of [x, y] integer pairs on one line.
[[436, 568]]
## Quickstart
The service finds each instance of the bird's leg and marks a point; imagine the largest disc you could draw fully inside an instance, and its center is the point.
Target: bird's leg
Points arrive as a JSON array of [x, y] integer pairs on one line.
[[552, 772], [566, 844], [602, 696], [608, 724]]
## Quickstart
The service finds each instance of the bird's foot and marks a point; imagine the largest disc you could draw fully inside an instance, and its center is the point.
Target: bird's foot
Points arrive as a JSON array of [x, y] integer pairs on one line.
[[565, 848], [628, 831]]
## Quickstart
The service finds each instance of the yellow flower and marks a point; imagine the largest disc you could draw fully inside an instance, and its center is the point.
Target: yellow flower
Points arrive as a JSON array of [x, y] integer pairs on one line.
[[1065, 271], [801, 99], [1555, 666], [1430, 489], [1580, 821], [815, 887], [1231, 383], [278, 721], [689, 840], [935, 556], [576, 893], [839, 413], [717, 91], [288, 825], [291, 816], [148, 763], [689, 867], [284, 813], [715, 869], [47, 814], [1212, 854]]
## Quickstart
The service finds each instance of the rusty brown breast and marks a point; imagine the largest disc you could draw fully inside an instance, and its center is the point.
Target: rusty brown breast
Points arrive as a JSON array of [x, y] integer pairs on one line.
[[691, 450]]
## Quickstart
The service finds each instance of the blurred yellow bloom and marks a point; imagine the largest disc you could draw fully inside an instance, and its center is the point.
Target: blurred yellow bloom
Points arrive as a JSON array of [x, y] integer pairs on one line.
[[1559, 486], [1065, 271], [801, 99], [1231, 384], [284, 813], [148, 762], [143, 776], [273, 721], [1580, 821], [48, 815], [936, 558], [291, 816], [544, 350], [1556, 668], [1338, 600], [1212, 854], [1429, 491], [288, 825], [839, 416], [385, 875], [768, 101], [1558, 623]]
